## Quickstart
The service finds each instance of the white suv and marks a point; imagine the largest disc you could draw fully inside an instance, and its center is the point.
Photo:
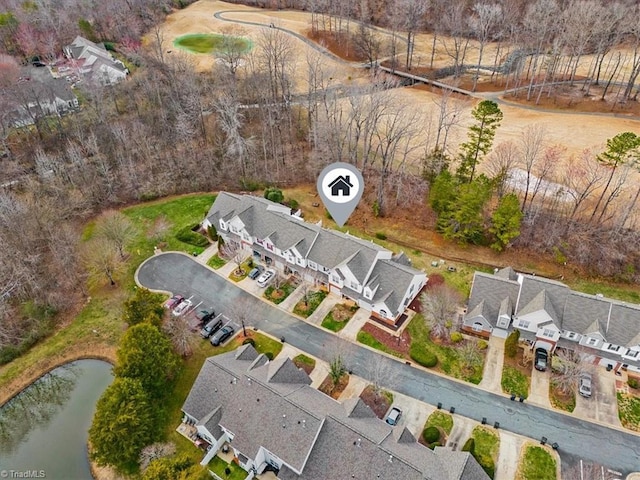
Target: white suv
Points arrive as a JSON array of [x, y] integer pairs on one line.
[[266, 277]]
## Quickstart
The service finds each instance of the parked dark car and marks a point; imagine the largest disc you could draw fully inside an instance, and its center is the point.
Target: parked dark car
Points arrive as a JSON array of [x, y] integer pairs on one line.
[[204, 316], [223, 334], [542, 358], [256, 272], [211, 327]]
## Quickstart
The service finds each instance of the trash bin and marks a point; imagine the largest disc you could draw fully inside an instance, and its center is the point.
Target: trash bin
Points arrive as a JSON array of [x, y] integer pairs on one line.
[[609, 367]]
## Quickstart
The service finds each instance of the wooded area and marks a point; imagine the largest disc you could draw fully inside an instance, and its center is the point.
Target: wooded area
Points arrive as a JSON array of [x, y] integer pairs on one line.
[[249, 123]]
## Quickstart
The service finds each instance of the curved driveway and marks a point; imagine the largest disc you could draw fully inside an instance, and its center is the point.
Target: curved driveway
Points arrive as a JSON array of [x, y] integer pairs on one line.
[[179, 273]]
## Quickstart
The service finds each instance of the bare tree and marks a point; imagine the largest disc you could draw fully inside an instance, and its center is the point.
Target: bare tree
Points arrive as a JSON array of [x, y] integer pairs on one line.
[[180, 334], [482, 23], [531, 143], [232, 51], [500, 164], [117, 229], [439, 307], [569, 365], [449, 114], [470, 354], [102, 259], [242, 311], [234, 252], [412, 14], [155, 451], [583, 176], [231, 120], [276, 56], [368, 44]]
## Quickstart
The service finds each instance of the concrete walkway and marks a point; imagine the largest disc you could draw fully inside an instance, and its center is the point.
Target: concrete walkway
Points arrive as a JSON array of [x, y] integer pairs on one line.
[[461, 431], [508, 458], [323, 309], [350, 332], [354, 388], [294, 297], [204, 257], [492, 375], [539, 392]]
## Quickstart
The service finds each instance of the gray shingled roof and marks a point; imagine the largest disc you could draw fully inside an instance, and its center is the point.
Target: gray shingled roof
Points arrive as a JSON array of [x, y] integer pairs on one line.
[[253, 412], [393, 280], [507, 273], [356, 408], [492, 290], [285, 371], [460, 465], [42, 85], [532, 286], [345, 444], [624, 325], [542, 301], [581, 310]]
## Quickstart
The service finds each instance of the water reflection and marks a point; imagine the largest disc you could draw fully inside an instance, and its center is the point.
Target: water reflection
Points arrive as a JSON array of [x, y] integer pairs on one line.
[[36, 406]]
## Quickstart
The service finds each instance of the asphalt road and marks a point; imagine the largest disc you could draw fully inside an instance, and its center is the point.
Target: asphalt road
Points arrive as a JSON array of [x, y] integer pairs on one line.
[[576, 438]]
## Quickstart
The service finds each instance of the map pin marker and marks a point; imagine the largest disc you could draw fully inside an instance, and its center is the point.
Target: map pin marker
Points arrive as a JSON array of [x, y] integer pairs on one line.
[[340, 186]]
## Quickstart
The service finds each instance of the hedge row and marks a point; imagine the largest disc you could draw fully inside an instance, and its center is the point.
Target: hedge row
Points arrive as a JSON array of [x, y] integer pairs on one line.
[[422, 356], [187, 235]]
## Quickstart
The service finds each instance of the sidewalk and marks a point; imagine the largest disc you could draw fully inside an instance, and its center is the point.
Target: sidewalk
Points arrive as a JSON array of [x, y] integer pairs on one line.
[[350, 332], [323, 309], [204, 257], [492, 374], [291, 301]]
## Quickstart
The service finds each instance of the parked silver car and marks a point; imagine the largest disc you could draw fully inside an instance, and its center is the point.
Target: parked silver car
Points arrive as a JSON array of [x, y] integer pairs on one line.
[[585, 385], [266, 277]]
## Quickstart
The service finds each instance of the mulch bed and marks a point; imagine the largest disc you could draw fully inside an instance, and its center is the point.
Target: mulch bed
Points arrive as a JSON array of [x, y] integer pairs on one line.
[[388, 340], [517, 362], [304, 366], [377, 402], [327, 387]]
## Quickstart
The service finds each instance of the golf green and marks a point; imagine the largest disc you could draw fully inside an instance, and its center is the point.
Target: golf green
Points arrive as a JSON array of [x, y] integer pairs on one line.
[[211, 43]]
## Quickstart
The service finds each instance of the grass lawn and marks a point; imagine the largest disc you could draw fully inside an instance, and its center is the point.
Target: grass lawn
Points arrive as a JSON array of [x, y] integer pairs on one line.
[[305, 363], [211, 42], [278, 295], [448, 360], [514, 382], [537, 464], [486, 448], [314, 299], [338, 318], [218, 466], [216, 262], [98, 327], [629, 411], [367, 339], [245, 267], [440, 419]]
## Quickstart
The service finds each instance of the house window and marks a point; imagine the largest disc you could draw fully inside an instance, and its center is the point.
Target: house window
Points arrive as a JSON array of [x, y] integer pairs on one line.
[[312, 265], [548, 333], [246, 237], [572, 335], [335, 278], [592, 341], [325, 269], [632, 353], [411, 289], [524, 324], [259, 241], [477, 327], [355, 285], [613, 348], [384, 313]]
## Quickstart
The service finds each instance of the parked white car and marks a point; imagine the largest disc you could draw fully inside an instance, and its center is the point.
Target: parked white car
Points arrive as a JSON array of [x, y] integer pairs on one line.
[[182, 308], [585, 385], [266, 277]]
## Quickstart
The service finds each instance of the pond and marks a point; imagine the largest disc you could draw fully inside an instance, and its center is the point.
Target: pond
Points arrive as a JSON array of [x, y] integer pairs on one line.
[[44, 430]]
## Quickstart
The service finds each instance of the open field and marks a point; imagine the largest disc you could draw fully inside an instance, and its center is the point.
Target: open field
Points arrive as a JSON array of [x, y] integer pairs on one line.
[[574, 131]]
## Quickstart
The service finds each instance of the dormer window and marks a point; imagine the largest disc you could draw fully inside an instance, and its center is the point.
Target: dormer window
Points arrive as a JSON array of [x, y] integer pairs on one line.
[[613, 348], [592, 341], [632, 353], [548, 333]]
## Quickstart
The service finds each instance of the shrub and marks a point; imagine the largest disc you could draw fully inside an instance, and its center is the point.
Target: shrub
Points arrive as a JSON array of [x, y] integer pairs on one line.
[[423, 357], [633, 382], [482, 344], [293, 204], [456, 337], [381, 236], [376, 208], [274, 194], [469, 445], [187, 235], [250, 341], [434, 445], [269, 355], [431, 434], [511, 344], [213, 233]]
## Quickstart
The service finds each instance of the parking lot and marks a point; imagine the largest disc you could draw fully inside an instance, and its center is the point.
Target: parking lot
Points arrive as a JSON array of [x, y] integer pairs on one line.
[[197, 304]]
